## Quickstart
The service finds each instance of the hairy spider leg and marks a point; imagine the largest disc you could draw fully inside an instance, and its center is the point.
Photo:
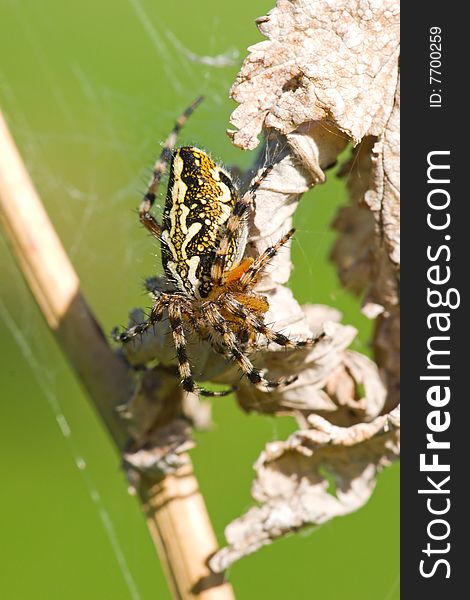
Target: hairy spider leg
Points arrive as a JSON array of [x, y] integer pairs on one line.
[[154, 317], [147, 220], [184, 368], [253, 374], [240, 311], [247, 277], [252, 272], [242, 205]]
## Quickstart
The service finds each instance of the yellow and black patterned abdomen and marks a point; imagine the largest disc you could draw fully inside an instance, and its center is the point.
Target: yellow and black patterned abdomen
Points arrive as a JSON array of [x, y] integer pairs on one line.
[[199, 201]]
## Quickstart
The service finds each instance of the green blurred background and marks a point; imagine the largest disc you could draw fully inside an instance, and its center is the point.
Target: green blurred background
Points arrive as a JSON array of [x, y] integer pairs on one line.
[[89, 90]]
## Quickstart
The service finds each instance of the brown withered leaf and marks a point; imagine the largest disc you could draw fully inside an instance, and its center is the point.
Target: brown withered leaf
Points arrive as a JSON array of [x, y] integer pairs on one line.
[[160, 419], [367, 252], [318, 473], [332, 62], [353, 250], [332, 381], [329, 73], [384, 196]]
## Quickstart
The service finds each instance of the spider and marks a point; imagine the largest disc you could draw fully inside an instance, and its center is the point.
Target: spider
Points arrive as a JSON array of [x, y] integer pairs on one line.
[[209, 284]]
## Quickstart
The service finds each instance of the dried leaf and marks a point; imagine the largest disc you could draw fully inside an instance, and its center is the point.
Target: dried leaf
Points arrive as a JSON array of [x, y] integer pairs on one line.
[[384, 196], [328, 72], [160, 418], [368, 251], [352, 252], [163, 453], [321, 371], [316, 474], [333, 62]]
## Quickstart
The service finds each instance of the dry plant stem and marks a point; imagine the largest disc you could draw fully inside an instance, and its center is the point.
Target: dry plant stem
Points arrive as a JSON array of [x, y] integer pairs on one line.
[[56, 288], [177, 500], [175, 510]]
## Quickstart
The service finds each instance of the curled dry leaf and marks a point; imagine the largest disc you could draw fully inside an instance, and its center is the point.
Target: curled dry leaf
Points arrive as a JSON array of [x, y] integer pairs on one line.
[[327, 62], [318, 473], [328, 73], [159, 419], [368, 250], [330, 377]]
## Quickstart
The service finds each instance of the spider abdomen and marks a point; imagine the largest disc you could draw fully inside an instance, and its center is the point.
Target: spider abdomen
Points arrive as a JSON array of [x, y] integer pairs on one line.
[[200, 199]]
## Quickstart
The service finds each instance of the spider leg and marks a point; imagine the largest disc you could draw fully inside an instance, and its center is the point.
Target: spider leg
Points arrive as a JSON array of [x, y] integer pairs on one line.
[[147, 220], [259, 264], [253, 374], [239, 212], [155, 316], [151, 285], [177, 330], [237, 309]]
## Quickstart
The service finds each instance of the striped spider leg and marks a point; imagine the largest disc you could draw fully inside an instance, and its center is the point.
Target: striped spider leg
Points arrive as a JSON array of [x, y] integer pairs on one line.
[[148, 220], [247, 307]]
